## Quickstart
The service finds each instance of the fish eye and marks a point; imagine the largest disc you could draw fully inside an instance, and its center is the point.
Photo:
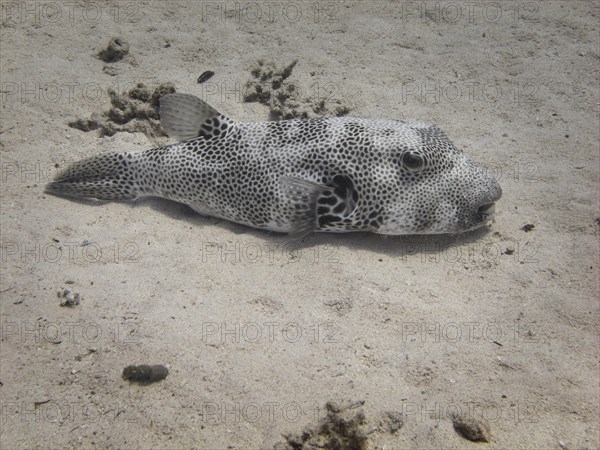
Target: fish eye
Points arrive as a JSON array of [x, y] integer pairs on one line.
[[412, 161]]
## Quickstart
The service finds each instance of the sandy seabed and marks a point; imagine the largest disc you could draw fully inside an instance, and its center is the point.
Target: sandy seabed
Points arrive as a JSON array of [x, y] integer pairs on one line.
[[367, 341]]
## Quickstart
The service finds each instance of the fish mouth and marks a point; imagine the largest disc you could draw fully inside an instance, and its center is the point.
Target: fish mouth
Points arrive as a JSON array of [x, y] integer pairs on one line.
[[486, 212]]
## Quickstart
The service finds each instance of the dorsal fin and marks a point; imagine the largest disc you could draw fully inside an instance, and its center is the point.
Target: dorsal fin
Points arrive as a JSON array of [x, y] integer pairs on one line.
[[185, 116]]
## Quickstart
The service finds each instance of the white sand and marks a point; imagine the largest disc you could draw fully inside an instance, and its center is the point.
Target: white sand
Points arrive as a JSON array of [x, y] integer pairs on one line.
[[258, 335]]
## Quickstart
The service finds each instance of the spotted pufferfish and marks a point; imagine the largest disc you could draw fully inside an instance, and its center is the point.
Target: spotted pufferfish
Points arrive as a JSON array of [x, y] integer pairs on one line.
[[297, 176]]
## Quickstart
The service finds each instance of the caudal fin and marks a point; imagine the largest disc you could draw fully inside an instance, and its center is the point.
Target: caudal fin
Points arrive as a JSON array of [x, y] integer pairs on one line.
[[108, 176]]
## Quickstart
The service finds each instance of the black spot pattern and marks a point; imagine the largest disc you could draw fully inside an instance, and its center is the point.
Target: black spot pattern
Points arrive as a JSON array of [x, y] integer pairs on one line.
[[337, 203], [214, 127], [234, 170], [109, 176]]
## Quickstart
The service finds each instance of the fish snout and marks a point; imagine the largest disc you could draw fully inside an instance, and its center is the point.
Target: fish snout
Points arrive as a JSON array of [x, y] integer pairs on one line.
[[487, 206]]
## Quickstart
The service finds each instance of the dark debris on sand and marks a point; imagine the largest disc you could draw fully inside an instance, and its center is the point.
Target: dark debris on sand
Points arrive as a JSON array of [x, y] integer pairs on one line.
[[269, 86], [136, 111]]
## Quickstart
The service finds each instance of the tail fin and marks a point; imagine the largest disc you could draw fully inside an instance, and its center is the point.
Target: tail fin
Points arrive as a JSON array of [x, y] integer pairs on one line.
[[108, 176]]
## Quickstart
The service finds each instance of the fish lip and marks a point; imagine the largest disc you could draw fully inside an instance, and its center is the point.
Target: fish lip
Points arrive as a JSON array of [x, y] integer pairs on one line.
[[484, 216], [486, 213], [486, 210]]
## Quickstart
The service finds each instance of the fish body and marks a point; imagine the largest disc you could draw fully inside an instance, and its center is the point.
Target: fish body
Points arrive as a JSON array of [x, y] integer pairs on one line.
[[296, 176]]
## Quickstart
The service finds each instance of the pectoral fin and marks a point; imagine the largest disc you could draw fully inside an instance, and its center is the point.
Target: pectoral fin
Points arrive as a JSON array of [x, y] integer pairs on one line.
[[300, 200]]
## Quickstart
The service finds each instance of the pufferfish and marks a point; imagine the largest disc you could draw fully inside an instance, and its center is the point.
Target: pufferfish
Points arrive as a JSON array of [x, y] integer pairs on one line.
[[338, 174]]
